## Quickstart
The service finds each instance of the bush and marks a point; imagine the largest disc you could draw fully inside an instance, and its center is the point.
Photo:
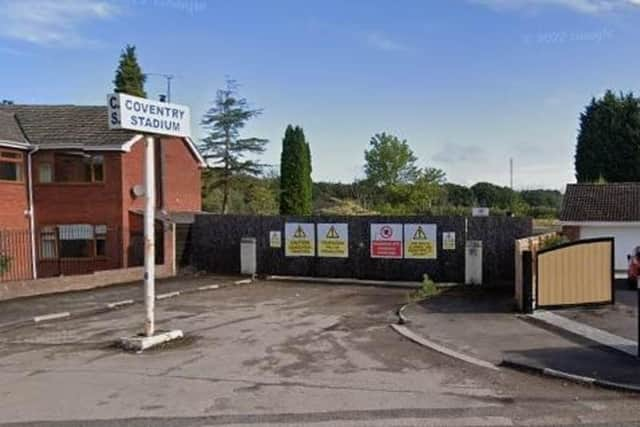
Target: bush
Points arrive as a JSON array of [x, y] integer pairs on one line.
[[553, 241], [427, 290], [5, 261]]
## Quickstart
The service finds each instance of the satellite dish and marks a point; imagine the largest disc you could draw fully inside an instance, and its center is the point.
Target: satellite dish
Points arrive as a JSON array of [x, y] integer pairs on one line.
[[138, 190]]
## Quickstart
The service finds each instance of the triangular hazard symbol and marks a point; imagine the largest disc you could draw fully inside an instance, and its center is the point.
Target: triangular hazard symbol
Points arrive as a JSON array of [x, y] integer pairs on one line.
[[419, 235], [332, 233], [300, 234]]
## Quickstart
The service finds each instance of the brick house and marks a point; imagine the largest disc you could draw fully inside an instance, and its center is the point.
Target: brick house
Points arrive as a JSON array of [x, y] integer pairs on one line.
[[69, 180]]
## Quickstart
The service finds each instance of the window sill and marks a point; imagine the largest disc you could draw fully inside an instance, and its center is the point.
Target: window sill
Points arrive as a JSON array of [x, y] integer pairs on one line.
[[79, 184]]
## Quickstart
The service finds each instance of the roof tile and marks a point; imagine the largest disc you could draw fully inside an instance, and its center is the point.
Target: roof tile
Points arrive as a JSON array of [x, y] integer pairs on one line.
[[619, 202]]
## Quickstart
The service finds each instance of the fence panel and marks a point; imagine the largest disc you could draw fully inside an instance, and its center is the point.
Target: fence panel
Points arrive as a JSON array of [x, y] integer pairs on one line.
[[581, 272], [15, 255], [216, 247]]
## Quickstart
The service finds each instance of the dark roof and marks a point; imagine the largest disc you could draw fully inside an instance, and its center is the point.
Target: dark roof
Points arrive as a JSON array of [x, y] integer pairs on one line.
[[618, 202], [65, 124], [10, 130]]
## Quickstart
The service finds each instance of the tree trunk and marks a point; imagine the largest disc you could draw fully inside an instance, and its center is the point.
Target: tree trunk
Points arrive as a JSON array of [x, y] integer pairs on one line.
[[225, 196]]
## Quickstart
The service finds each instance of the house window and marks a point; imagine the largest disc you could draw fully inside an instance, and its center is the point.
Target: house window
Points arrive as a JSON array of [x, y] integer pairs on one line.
[[73, 241], [101, 240], [45, 172], [10, 166], [78, 168], [48, 243]]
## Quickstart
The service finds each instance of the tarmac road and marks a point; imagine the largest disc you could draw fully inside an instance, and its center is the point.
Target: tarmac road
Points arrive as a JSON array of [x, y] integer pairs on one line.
[[272, 354]]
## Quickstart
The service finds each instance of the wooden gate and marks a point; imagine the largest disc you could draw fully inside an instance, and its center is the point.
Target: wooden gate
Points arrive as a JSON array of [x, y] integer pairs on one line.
[[580, 272]]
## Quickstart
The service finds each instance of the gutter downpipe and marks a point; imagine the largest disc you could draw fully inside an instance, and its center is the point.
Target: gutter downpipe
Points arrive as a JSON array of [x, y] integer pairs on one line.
[[32, 214]]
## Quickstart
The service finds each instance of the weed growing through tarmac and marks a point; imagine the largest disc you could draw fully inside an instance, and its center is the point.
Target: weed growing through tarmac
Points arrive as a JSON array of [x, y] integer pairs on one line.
[[428, 289]]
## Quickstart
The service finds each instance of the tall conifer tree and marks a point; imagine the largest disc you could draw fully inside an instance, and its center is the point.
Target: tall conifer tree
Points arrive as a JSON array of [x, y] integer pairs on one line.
[[225, 151], [129, 76], [295, 174]]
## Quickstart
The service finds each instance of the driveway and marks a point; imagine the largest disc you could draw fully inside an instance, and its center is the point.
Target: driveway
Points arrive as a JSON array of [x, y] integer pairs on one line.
[[272, 354]]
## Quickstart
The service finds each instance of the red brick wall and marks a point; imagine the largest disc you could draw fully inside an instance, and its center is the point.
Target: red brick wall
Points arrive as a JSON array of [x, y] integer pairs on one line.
[[79, 203], [178, 176], [15, 237], [181, 177], [14, 200], [177, 180]]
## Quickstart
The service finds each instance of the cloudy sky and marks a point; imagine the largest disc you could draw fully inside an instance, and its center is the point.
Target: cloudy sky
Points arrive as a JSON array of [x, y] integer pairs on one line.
[[469, 83]]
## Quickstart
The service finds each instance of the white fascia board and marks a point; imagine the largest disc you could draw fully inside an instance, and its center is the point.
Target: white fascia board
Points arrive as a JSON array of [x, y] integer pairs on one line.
[[17, 145], [196, 152], [601, 223], [127, 145]]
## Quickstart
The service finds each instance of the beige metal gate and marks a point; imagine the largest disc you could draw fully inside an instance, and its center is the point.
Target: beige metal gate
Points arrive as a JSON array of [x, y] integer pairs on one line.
[[580, 272]]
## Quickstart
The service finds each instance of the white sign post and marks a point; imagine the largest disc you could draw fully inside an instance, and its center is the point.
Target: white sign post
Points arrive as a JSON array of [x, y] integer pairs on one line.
[[150, 118]]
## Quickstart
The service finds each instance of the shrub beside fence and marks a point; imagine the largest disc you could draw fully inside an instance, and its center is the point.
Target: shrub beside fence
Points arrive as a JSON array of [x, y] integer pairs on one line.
[[215, 247], [15, 255]]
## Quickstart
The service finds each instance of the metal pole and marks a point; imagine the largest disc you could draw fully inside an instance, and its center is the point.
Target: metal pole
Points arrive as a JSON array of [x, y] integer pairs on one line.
[[149, 236]]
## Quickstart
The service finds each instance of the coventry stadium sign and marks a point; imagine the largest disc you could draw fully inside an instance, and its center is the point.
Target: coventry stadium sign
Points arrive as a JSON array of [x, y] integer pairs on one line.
[[148, 116]]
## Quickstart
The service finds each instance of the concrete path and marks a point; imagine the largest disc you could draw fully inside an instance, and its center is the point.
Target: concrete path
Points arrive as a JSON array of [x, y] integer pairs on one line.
[[483, 326], [272, 354]]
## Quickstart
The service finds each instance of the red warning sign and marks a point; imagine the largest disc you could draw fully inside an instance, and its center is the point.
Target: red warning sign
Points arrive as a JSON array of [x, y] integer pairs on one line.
[[386, 241]]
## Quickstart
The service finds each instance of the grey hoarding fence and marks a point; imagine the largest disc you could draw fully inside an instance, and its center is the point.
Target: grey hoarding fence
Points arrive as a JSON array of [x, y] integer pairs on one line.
[[215, 247]]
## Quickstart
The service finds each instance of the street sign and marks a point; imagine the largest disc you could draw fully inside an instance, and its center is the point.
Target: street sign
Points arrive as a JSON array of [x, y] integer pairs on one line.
[[386, 241], [480, 212], [148, 116], [333, 240]]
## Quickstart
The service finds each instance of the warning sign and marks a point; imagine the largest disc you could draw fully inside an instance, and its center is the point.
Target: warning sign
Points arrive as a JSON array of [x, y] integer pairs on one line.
[[386, 241], [300, 239], [420, 241], [333, 240], [275, 239], [449, 241]]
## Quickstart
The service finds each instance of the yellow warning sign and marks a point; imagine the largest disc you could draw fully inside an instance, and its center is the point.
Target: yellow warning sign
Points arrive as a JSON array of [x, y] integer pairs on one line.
[[419, 234], [332, 233], [299, 239], [299, 234], [420, 241], [333, 240]]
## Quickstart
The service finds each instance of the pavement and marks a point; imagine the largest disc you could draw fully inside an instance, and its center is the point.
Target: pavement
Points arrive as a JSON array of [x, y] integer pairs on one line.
[[270, 354], [24, 310], [482, 324], [619, 319]]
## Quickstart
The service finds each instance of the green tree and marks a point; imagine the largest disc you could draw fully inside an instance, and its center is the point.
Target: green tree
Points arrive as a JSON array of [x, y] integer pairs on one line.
[[389, 161], [458, 195], [129, 77], [608, 145], [223, 148], [542, 198], [493, 196], [296, 186]]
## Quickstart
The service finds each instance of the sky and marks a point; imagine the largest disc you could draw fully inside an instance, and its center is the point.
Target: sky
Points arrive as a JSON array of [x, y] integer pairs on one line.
[[468, 83]]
